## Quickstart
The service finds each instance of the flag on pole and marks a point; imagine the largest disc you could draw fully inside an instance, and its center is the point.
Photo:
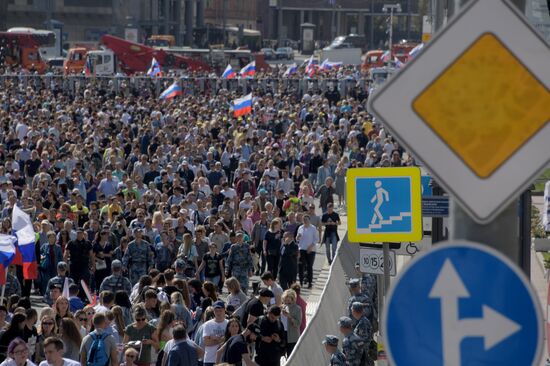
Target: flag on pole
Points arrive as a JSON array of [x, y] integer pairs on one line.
[[66, 288], [155, 69], [7, 249], [310, 67], [229, 73], [416, 50], [242, 106], [385, 56], [22, 225], [92, 299], [88, 67], [291, 70], [249, 70], [398, 63], [327, 65], [172, 91]]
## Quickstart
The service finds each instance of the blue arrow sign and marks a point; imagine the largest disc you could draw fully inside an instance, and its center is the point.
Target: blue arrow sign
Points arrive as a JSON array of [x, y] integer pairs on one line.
[[463, 304]]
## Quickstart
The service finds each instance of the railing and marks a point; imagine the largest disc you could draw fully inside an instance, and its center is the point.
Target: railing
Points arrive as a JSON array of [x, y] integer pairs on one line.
[[141, 85]]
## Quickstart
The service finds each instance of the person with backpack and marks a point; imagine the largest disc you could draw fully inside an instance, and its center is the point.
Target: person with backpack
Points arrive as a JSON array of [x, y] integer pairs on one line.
[[99, 348]]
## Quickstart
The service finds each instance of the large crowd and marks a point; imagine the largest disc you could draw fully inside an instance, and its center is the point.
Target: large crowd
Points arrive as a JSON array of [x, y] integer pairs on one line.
[[167, 211]]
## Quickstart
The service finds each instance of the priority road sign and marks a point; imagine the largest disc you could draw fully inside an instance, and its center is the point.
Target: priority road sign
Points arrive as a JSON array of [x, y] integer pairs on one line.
[[473, 106], [384, 205], [463, 303]]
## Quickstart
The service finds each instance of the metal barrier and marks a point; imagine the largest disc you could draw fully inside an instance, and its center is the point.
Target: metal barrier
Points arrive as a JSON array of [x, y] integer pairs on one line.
[[76, 84], [332, 305]]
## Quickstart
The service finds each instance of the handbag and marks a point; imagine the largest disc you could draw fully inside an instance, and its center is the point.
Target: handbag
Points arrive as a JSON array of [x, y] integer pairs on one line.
[[100, 264]]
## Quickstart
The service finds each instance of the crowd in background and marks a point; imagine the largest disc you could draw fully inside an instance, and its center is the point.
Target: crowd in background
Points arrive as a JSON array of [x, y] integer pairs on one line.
[[167, 210]]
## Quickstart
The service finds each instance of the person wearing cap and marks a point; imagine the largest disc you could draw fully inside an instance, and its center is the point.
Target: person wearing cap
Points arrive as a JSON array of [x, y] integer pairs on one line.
[[138, 257], [353, 347], [213, 333], [337, 358], [50, 255], [363, 327], [271, 345], [116, 281], [357, 296], [239, 262], [58, 280], [236, 351]]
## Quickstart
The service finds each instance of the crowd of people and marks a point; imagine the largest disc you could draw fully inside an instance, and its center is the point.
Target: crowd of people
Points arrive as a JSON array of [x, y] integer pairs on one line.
[[167, 210]]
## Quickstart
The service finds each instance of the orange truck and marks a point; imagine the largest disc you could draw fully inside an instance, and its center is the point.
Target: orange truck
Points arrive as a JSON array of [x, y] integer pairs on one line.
[[21, 48]]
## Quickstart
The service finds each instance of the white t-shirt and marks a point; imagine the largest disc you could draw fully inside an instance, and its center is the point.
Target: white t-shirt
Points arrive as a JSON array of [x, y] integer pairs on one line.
[[212, 328], [66, 362]]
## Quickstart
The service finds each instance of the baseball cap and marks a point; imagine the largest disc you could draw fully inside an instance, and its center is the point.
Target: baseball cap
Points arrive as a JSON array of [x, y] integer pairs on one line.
[[357, 306], [354, 282], [219, 305], [247, 194], [345, 322], [331, 340], [254, 328]]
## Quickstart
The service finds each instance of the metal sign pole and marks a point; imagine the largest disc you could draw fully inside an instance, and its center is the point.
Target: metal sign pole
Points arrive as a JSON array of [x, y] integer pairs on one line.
[[386, 251]]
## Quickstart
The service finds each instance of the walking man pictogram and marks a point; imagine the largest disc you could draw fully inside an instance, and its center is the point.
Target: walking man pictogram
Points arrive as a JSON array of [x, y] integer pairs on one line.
[[380, 196]]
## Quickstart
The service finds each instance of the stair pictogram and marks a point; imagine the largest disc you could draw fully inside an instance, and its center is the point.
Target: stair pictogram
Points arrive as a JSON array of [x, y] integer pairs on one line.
[[388, 222]]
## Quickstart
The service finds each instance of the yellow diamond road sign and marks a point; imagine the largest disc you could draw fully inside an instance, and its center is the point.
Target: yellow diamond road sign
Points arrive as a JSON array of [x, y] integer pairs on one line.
[[474, 106]]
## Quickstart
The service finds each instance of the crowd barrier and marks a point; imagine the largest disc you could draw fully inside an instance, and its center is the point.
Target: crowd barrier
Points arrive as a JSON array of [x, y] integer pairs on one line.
[[76, 84], [332, 305]]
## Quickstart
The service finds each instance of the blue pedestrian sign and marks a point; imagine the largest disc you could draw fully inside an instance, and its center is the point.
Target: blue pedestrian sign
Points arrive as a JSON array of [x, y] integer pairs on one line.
[[462, 303], [384, 205]]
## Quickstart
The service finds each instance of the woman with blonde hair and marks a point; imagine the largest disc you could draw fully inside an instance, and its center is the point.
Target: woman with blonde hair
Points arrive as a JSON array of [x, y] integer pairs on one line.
[[181, 310], [118, 323], [188, 252], [236, 296], [158, 220], [293, 314], [183, 288], [167, 321], [62, 310], [70, 335], [48, 328]]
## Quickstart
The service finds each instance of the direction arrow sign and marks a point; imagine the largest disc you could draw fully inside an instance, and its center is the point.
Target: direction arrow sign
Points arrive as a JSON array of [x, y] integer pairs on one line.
[[473, 106], [472, 306]]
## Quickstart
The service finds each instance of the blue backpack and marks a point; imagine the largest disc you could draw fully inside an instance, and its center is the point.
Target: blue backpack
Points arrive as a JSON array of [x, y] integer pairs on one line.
[[98, 351]]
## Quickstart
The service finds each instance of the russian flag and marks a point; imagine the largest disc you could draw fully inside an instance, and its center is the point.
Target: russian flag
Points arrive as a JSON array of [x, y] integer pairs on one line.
[[310, 67], [291, 70], [88, 67], [155, 69], [416, 50], [385, 56], [327, 65], [242, 105], [172, 91], [22, 225], [398, 64], [249, 70], [229, 73]]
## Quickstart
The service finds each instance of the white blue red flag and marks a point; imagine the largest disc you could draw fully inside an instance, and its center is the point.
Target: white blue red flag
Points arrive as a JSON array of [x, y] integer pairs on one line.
[[310, 67], [229, 73], [88, 67], [416, 50], [291, 69], [242, 106], [155, 69], [22, 225], [386, 56], [249, 70], [172, 91], [327, 65], [398, 63]]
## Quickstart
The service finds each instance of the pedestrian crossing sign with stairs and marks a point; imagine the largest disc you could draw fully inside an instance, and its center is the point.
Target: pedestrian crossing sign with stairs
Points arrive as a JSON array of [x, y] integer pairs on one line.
[[384, 204]]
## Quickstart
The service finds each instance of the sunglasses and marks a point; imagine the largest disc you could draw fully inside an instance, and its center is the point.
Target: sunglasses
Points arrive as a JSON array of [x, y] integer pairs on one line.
[[90, 313], [83, 319], [140, 319]]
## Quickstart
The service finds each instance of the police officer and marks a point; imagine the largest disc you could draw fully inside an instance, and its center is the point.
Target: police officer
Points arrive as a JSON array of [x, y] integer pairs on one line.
[[357, 296], [138, 257], [369, 286], [116, 281], [58, 280], [363, 327], [337, 358], [239, 262], [353, 347]]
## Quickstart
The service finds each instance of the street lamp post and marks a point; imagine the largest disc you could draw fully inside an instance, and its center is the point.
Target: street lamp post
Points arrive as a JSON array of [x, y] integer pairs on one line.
[[391, 8]]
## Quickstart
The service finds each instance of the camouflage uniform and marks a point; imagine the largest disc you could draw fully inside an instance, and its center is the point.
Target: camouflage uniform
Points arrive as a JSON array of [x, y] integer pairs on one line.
[[353, 348], [137, 259], [337, 359], [239, 263], [369, 288], [363, 300], [116, 283], [363, 329], [12, 286], [59, 281]]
